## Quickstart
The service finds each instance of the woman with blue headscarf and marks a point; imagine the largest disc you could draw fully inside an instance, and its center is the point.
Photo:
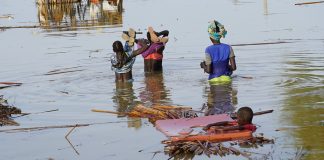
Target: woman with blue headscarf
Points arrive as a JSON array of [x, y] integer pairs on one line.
[[220, 59]]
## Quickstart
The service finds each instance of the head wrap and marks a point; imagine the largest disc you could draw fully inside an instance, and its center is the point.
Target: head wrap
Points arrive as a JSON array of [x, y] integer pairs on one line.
[[216, 30]]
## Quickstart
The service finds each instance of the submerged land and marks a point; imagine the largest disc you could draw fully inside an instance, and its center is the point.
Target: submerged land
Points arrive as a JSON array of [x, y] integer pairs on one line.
[[55, 69]]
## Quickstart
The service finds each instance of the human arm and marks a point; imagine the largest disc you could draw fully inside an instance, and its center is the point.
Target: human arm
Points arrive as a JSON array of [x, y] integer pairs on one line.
[[216, 124], [207, 68], [137, 52], [221, 129], [250, 127], [232, 63], [163, 33], [143, 45], [206, 65]]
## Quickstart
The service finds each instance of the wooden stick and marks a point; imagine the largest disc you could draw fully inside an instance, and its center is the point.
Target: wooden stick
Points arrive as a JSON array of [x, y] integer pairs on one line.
[[53, 110], [11, 83], [11, 27], [66, 137], [135, 32], [262, 43], [72, 146], [52, 127], [53, 73], [305, 3], [106, 111], [59, 27], [57, 2], [234, 116], [25, 114], [7, 16], [171, 107], [41, 128], [154, 153], [2, 87], [70, 131], [262, 112], [246, 77]]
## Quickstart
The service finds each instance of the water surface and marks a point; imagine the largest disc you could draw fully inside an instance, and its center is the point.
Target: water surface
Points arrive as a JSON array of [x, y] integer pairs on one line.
[[64, 64]]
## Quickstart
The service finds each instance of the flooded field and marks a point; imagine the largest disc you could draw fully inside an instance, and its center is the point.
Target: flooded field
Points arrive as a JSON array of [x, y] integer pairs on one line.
[[61, 53]]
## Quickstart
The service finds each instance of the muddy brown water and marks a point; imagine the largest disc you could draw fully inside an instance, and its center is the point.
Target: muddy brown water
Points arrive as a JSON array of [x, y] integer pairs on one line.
[[68, 68]]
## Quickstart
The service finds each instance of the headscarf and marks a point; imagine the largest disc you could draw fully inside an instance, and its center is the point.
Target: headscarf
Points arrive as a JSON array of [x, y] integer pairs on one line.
[[216, 30]]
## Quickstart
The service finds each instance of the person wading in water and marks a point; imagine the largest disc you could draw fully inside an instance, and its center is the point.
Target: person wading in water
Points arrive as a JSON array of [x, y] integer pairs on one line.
[[124, 58], [219, 57], [153, 55]]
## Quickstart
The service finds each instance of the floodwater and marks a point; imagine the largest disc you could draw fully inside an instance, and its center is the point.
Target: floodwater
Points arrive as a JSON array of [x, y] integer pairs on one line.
[[64, 64]]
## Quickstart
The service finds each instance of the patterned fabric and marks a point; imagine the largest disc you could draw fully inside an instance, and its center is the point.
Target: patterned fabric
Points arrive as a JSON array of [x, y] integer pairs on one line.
[[128, 66], [216, 30], [153, 48]]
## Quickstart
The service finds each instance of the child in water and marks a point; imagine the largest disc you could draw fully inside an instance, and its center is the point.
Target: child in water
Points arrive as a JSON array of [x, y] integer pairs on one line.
[[244, 122], [124, 58]]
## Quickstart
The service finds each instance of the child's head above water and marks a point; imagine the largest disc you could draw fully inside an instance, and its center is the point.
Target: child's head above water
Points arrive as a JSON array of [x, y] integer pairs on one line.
[[117, 46], [244, 116]]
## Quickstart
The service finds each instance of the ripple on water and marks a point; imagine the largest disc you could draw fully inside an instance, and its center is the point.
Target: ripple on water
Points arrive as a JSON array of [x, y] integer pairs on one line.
[[302, 81]]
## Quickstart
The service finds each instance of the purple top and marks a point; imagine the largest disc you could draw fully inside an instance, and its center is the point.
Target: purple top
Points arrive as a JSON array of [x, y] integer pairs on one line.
[[153, 48]]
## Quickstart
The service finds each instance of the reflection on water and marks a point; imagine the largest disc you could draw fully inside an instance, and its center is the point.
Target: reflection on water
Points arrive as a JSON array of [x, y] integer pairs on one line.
[[125, 99], [304, 100], [265, 7], [220, 99], [155, 91], [84, 13], [301, 105]]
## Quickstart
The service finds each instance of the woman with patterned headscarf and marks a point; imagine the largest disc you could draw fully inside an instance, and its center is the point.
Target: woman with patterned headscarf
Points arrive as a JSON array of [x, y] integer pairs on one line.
[[220, 59]]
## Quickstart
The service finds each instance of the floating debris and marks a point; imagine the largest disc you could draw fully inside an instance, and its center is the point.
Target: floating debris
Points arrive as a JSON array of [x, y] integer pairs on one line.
[[7, 16], [305, 3], [64, 70], [11, 27], [181, 150], [29, 129], [6, 111], [56, 1], [262, 43], [234, 116], [256, 141], [156, 112], [9, 84]]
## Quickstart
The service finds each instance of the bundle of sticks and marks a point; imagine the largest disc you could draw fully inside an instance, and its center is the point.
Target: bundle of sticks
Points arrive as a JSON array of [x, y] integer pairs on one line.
[[55, 1], [156, 112], [6, 111], [189, 149]]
